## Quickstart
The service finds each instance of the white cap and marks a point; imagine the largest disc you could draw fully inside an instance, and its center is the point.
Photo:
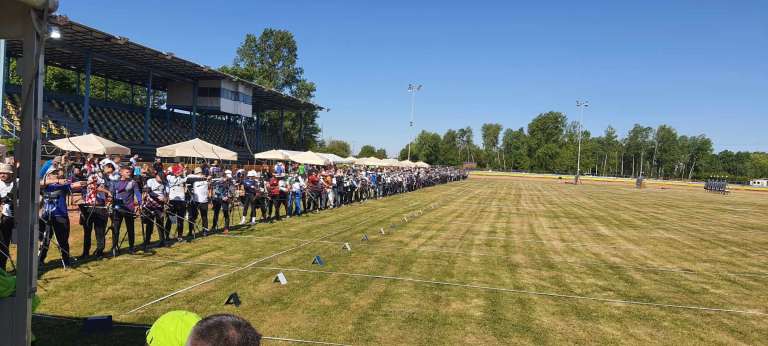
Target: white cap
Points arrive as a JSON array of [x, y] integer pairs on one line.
[[252, 173]]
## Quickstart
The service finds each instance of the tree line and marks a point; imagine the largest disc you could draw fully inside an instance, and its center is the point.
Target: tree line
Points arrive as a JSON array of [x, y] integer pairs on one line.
[[550, 144]]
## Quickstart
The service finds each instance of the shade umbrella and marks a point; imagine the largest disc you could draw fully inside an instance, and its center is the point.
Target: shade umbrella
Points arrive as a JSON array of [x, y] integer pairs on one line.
[[368, 161], [310, 158], [333, 157], [197, 148], [390, 162], [91, 144], [422, 164], [274, 154], [407, 164]]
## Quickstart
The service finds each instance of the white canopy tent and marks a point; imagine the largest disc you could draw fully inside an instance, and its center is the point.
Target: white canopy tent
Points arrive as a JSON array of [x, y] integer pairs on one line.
[[368, 161], [407, 164], [91, 144], [422, 164], [390, 162], [310, 158], [197, 148], [274, 154], [335, 158]]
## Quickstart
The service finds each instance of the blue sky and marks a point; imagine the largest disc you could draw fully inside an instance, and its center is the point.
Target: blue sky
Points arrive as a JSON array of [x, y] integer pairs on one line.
[[700, 65]]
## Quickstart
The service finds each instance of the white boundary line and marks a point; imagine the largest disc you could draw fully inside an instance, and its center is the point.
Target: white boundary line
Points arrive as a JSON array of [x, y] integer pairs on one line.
[[527, 292], [249, 265], [574, 263], [274, 338]]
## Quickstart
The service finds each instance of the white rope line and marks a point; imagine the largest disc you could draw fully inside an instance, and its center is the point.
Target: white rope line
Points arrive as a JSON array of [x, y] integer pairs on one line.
[[274, 338], [527, 292], [140, 326], [585, 264], [246, 266]]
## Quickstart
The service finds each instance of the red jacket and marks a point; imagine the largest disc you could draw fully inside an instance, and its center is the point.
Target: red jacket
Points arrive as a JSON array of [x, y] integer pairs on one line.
[[274, 187]]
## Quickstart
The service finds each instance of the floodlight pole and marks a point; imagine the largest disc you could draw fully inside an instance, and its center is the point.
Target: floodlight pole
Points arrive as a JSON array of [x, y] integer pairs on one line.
[[412, 88], [580, 105]]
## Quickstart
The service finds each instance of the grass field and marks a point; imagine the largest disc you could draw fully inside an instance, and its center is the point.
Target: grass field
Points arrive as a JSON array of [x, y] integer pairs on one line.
[[492, 260]]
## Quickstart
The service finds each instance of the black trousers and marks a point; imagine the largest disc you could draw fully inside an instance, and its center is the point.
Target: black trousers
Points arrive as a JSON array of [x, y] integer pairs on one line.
[[58, 226], [313, 202], [194, 209], [119, 216], [177, 210], [251, 202], [6, 229], [220, 205], [94, 220], [150, 218], [276, 202]]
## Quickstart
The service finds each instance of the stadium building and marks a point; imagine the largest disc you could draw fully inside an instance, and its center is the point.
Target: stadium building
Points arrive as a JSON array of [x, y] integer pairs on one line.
[[188, 100]]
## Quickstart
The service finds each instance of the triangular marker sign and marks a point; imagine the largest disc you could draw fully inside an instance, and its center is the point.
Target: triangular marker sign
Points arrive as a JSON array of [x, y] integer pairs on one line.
[[280, 277], [233, 299], [317, 260], [346, 247], [381, 230], [365, 237]]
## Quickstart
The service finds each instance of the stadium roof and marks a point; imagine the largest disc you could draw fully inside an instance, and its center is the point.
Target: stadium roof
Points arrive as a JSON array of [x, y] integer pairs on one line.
[[120, 59]]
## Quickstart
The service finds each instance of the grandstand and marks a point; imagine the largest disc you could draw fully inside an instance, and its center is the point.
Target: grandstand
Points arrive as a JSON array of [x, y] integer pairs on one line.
[[200, 101]]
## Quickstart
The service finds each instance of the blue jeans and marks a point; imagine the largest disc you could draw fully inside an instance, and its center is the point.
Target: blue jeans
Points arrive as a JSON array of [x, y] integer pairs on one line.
[[294, 203]]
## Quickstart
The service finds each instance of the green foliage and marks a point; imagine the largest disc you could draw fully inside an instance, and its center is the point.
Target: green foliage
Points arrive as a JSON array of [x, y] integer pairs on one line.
[[367, 151], [381, 153], [551, 145], [337, 147], [271, 60]]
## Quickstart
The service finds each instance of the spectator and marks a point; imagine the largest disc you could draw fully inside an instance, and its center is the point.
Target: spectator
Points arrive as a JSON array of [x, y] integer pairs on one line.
[[224, 330]]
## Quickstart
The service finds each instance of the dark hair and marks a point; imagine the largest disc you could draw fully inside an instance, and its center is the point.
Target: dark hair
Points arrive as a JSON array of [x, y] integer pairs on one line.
[[224, 330]]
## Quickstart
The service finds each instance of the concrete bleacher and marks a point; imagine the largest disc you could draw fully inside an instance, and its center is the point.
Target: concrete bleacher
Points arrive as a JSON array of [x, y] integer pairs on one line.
[[123, 123]]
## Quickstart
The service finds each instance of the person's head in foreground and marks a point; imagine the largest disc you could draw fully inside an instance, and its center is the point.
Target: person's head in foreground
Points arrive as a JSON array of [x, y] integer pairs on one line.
[[224, 330]]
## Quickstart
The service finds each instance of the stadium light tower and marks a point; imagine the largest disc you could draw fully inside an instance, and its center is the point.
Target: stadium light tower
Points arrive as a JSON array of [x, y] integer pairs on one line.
[[412, 88], [580, 105]]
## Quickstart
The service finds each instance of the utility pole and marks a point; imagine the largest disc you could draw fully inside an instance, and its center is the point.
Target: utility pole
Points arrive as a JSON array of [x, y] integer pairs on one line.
[[412, 88], [580, 105]]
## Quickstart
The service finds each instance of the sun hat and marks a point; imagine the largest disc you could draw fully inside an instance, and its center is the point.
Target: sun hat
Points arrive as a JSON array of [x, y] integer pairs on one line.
[[6, 168], [172, 328], [198, 170], [252, 173]]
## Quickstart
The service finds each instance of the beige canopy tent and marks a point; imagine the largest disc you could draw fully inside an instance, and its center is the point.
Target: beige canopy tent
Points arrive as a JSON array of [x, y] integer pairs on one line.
[[390, 162], [197, 148], [91, 144], [336, 158], [422, 164], [407, 164], [368, 161], [274, 154], [310, 158]]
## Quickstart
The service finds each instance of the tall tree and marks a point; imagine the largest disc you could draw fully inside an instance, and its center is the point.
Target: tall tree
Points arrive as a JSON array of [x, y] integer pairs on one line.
[[336, 146], [514, 145], [545, 134], [270, 60], [450, 152], [367, 151], [490, 134]]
